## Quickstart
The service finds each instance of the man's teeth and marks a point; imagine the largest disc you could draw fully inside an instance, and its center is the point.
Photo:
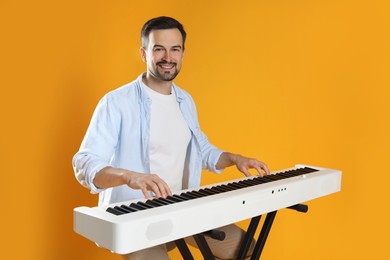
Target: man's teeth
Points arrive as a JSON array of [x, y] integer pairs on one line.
[[167, 66]]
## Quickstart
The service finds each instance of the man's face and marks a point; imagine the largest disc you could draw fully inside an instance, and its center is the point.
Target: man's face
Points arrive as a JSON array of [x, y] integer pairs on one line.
[[164, 54]]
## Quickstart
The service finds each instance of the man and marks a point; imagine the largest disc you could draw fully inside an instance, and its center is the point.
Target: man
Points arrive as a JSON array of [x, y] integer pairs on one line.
[[144, 138]]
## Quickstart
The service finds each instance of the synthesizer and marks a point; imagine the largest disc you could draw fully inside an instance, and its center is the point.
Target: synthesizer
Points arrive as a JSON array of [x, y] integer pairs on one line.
[[130, 226]]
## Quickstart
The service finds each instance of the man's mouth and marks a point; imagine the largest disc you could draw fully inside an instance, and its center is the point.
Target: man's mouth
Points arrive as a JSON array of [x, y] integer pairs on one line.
[[166, 65]]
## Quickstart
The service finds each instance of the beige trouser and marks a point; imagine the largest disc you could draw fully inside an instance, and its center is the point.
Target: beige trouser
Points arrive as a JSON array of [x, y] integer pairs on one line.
[[226, 249]]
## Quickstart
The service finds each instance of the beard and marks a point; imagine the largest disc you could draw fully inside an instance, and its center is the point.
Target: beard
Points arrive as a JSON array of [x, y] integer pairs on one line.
[[166, 75]]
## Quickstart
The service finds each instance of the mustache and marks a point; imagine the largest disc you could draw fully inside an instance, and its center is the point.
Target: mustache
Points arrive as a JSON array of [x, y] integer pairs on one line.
[[166, 63]]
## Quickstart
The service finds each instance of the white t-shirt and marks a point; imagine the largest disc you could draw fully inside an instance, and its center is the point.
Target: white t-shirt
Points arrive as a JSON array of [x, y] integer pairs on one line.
[[169, 138]]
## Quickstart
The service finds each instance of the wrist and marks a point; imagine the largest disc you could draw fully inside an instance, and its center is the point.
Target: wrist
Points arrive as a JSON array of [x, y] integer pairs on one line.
[[234, 158], [126, 177]]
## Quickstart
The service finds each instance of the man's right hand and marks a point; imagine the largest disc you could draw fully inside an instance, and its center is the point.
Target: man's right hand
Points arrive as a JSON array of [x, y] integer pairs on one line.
[[111, 177], [148, 182]]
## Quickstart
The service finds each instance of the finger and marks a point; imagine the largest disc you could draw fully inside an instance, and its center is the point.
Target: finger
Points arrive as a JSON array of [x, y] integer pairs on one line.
[[265, 168], [259, 170], [164, 189], [146, 193], [246, 172], [160, 187], [154, 188]]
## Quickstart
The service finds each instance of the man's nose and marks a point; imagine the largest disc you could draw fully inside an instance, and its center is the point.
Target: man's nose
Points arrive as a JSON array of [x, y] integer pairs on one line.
[[167, 56]]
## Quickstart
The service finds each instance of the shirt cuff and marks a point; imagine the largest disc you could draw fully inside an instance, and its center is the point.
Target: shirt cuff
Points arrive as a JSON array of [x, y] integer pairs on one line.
[[215, 155], [93, 188]]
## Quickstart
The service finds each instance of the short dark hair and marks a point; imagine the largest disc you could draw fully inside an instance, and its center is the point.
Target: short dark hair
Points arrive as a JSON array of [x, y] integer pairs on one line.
[[161, 23]]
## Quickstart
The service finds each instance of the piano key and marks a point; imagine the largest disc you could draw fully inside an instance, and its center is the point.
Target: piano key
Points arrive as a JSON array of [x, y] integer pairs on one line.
[[257, 180], [275, 177], [189, 196], [211, 191], [175, 199], [219, 189], [248, 182], [235, 185], [293, 173], [158, 200], [121, 209], [154, 203], [179, 197], [167, 200], [227, 187], [298, 172], [114, 211], [286, 174], [268, 178], [136, 207], [207, 193], [197, 193], [308, 170], [127, 208], [145, 205]]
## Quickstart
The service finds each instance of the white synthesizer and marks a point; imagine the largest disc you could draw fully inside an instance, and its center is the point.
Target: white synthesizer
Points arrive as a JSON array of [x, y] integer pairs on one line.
[[130, 226]]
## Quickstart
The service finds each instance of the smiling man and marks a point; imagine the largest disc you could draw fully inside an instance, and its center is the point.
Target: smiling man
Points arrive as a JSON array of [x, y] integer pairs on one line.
[[144, 138]]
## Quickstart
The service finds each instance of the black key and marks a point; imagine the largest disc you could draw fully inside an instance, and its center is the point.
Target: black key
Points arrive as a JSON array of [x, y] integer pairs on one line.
[[308, 170], [285, 175], [161, 201], [154, 203], [211, 191], [266, 179], [258, 180], [206, 193], [276, 177], [127, 208], [245, 183], [219, 189], [227, 187], [179, 197], [197, 194], [295, 172], [235, 186], [175, 199], [136, 206], [114, 211], [121, 209], [167, 201], [249, 182], [187, 195], [298, 172], [145, 205]]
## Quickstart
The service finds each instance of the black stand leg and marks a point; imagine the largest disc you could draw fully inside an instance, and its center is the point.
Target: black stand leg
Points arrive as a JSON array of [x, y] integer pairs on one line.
[[184, 250], [246, 242], [204, 247], [263, 235]]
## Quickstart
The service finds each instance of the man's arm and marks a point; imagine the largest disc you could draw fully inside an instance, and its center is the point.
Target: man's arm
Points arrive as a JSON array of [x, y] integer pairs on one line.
[[242, 163], [111, 177]]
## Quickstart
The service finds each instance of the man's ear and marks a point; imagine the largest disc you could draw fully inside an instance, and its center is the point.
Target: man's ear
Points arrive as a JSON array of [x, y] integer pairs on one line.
[[143, 53]]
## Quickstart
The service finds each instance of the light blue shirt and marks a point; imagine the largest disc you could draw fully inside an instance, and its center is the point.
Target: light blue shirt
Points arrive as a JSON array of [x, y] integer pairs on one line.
[[118, 136]]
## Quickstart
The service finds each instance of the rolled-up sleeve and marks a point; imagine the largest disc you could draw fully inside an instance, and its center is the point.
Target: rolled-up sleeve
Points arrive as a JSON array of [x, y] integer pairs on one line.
[[99, 143]]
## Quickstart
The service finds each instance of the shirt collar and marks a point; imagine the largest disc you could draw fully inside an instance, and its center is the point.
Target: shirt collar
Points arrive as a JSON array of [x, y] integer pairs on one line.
[[145, 97]]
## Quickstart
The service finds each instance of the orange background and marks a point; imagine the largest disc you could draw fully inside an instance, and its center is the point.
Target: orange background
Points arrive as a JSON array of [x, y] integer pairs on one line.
[[284, 81]]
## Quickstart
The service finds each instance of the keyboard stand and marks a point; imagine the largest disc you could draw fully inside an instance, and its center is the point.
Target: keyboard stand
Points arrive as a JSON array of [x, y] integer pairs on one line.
[[205, 249]]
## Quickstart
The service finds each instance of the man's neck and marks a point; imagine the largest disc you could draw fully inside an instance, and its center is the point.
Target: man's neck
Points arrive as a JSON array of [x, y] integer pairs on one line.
[[160, 86]]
